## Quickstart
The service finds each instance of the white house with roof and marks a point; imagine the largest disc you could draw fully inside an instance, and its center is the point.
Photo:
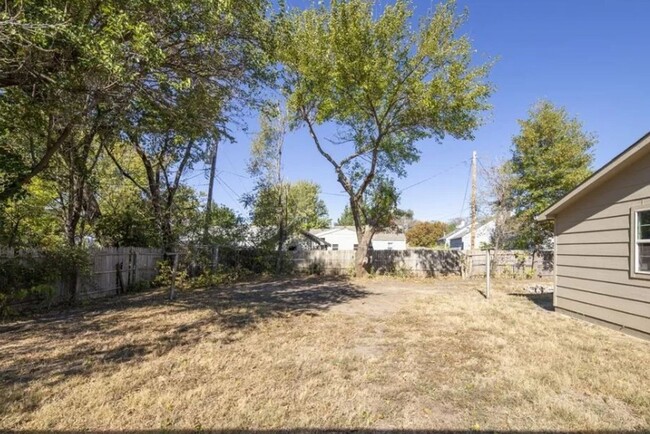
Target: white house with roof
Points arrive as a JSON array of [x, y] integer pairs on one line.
[[460, 238], [345, 238]]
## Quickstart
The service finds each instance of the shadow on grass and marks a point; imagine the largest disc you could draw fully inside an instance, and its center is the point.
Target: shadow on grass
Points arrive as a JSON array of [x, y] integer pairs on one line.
[[545, 301], [340, 430], [48, 348]]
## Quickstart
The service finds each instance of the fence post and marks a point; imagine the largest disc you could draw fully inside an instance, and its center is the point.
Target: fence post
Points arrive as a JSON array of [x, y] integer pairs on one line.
[[487, 273]]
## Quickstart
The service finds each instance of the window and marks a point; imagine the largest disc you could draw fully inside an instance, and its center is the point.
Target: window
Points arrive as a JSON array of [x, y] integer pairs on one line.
[[335, 246], [642, 242], [355, 247], [390, 246]]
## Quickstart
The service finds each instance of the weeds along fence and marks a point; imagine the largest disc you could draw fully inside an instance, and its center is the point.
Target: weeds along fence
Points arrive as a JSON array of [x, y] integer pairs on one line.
[[510, 263], [28, 276], [427, 262]]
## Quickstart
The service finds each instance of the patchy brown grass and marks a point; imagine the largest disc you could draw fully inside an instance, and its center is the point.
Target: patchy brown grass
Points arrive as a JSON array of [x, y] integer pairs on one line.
[[323, 353]]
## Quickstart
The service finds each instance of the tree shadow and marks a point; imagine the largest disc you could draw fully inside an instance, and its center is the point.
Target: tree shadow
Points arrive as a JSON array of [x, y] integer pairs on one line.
[[419, 262], [543, 300], [339, 430], [49, 348]]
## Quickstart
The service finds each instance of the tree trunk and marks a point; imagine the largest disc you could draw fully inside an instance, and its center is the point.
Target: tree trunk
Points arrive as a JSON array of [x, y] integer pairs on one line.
[[361, 264], [208, 206], [282, 228]]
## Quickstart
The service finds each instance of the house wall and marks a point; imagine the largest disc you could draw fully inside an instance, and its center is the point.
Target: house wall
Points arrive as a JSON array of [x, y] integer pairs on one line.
[[593, 252], [483, 236], [383, 245], [346, 239]]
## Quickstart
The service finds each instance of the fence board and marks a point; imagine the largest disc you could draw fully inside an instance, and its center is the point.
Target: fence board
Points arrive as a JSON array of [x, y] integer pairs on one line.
[[135, 265], [425, 262]]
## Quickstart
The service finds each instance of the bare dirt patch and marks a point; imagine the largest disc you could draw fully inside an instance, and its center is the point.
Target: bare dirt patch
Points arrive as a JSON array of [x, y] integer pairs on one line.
[[323, 353]]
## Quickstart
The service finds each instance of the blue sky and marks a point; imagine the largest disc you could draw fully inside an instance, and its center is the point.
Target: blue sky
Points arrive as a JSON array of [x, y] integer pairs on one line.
[[589, 56]]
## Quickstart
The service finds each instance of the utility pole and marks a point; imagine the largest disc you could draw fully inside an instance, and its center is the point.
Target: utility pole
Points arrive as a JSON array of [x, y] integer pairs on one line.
[[208, 206], [473, 209]]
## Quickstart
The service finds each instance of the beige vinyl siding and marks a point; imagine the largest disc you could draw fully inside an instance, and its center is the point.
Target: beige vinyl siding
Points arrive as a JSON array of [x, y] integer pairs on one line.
[[593, 251]]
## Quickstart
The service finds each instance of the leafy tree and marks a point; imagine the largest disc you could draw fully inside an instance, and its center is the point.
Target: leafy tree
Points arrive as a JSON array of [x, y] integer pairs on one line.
[[403, 220], [346, 218], [270, 198], [425, 234], [386, 87], [304, 209], [32, 220], [550, 156], [127, 66], [63, 68]]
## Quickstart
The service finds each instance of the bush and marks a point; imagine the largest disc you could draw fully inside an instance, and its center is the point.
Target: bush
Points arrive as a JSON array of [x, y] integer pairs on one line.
[[31, 276], [164, 277]]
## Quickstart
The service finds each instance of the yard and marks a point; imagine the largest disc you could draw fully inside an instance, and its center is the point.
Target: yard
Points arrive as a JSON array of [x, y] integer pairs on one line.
[[323, 353]]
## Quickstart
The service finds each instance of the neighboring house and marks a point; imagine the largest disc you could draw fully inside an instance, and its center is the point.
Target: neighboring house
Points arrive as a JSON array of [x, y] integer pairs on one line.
[[345, 238], [602, 234], [460, 239]]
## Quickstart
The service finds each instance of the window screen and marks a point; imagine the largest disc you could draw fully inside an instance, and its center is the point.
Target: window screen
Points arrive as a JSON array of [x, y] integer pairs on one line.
[[643, 241]]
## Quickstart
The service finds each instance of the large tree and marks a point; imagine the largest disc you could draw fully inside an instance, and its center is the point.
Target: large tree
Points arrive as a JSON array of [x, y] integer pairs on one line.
[[550, 156], [302, 210], [120, 66], [386, 87]]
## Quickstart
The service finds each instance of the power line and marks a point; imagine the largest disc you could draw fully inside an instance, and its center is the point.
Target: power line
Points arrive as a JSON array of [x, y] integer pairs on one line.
[[434, 176], [235, 174], [227, 192], [462, 208], [229, 188], [482, 167]]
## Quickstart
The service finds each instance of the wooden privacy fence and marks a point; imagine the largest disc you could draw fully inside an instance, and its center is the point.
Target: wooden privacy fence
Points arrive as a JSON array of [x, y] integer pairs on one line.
[[412, 262], [116, 269], [112, 270], [427, 262]]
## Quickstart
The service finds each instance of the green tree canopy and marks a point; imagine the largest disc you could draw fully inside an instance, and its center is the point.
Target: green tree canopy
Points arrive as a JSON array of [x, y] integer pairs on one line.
[[550, 156], [385, 86], [346, 218], [120, 68], [425, 234], [304, 208]]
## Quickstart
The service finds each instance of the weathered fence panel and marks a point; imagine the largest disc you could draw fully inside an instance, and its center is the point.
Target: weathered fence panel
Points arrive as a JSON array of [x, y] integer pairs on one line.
[[427, 262], [116, 269], [113, 270], [510, 263]]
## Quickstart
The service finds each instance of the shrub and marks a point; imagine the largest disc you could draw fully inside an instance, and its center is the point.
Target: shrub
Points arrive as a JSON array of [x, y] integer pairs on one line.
[[31, 276]]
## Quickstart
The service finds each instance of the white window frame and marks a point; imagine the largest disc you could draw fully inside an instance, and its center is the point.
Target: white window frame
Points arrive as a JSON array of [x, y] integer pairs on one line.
[[635, 241]]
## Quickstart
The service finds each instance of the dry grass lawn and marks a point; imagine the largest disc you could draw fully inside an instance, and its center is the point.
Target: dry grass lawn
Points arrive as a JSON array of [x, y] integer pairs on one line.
[[323, 353]]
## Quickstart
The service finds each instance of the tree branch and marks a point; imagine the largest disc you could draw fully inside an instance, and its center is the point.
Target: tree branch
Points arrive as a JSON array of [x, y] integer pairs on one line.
[[125, 173], [51, 149]]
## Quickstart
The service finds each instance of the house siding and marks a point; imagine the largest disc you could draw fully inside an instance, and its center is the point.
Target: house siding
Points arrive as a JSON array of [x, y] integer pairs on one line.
[[346, 239], [594, 239]]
